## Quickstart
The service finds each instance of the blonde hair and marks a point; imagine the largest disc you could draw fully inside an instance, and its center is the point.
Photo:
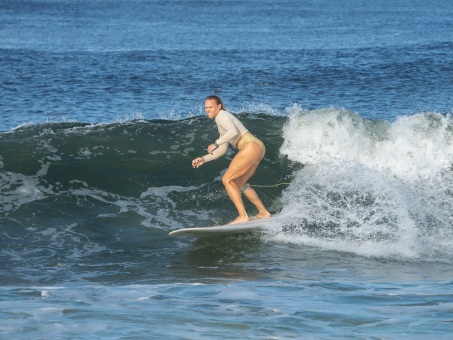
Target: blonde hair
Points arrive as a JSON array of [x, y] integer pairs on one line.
[[218, 101]]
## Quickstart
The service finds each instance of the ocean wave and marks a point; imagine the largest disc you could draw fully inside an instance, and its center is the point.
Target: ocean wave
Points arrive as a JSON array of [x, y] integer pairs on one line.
[[338, 181]]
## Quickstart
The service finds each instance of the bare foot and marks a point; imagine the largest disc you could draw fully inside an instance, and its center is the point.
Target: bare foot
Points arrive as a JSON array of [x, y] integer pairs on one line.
[[240, 219], [262, 215]]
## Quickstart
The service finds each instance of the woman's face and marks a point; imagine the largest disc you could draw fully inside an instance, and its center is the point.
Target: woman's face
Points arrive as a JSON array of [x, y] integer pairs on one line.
[[212, 108]]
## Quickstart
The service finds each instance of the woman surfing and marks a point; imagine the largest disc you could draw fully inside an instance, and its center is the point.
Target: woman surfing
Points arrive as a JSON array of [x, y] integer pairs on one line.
[[243, 165]]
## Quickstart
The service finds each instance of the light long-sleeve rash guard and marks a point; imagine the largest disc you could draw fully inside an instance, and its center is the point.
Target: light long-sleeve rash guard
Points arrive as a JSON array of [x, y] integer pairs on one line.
[[230, 129]]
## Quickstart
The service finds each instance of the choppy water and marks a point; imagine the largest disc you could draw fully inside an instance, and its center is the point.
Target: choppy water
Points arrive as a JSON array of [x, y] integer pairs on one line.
[[101, 113]]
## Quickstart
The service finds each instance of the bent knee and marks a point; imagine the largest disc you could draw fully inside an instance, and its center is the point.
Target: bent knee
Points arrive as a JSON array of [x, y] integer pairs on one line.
[[226, 179]]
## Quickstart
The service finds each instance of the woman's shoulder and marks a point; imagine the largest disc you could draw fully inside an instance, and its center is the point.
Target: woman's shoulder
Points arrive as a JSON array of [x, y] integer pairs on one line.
[[226, 114]]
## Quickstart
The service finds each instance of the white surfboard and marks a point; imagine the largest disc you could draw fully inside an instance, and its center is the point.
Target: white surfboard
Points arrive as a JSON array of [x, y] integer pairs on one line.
[[222, 229]]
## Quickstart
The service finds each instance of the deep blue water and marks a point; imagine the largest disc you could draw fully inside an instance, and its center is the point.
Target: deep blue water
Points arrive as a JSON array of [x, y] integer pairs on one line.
[[101, 113]]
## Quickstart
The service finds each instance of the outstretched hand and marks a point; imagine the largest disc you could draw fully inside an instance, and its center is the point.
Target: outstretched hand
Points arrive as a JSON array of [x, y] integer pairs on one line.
[[197, 162]]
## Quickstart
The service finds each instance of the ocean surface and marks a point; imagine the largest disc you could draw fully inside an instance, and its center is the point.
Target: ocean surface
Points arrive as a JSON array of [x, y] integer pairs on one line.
[[102, 111]]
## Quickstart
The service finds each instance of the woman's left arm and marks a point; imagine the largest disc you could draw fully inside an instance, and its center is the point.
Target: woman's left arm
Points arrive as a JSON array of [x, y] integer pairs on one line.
[[226, 124], [216, 152]]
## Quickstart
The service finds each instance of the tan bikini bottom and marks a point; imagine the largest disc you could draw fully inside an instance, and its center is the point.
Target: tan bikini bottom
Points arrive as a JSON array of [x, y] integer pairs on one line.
[[248, 137]]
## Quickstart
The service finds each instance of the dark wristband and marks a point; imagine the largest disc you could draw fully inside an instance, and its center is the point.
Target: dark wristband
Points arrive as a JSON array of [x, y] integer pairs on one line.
[[216, 147]]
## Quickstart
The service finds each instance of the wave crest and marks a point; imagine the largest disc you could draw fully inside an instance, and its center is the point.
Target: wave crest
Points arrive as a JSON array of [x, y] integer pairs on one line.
[[371, 187]]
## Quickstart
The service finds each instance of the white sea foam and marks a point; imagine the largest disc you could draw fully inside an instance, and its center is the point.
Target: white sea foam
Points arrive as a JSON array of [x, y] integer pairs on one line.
[[19, 189], [370, 187]]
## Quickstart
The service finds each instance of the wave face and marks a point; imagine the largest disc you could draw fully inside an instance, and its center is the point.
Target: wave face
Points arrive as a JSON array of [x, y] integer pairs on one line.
[[73, 190], [338, 182]]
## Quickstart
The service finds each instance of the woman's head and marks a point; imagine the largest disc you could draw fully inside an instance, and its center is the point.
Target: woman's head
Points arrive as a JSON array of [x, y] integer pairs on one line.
[[217, 100], [213, 105]]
